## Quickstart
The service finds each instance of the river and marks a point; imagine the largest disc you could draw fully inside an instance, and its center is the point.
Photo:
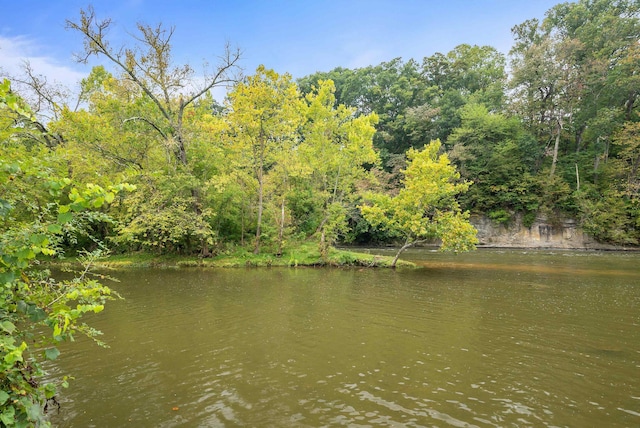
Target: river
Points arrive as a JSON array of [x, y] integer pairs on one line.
[[491, 338]]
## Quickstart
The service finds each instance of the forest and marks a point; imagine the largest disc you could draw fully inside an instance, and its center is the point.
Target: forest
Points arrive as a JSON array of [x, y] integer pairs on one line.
[[144, 159]]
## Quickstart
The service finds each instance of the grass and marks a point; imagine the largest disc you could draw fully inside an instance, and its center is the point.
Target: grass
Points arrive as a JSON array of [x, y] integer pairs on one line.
[[303, 254]]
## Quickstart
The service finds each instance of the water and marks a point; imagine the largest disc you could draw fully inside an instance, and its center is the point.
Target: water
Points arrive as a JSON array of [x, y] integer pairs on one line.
[[487, 339]]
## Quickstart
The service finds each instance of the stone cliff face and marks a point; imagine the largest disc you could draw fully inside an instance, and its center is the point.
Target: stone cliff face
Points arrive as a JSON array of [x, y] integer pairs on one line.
[[564, 233]]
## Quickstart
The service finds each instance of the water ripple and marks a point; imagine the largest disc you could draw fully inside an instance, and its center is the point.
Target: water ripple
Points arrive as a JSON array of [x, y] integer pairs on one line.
[[306, 348]]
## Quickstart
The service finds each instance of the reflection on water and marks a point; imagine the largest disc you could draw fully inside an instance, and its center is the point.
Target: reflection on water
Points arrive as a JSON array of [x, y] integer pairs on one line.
[[492, 338]]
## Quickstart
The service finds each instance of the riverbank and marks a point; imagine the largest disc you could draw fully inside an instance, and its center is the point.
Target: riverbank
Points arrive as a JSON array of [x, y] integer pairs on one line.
[[306, 254]]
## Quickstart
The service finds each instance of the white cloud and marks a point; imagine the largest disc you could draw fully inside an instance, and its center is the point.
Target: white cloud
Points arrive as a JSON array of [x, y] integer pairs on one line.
[[15, 51]]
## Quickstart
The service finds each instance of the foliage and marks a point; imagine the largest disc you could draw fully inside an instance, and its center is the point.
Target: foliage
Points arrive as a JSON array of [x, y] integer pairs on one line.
[[425, 208], [164, 217], [39, 212], [338, 147], [498, 155], [298, 159], [266, 113], [149, 69], [387, 90], [278, 162]]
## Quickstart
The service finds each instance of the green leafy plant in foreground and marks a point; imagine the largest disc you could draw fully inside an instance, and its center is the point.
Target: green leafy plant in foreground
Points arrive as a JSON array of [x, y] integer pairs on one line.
[[38, 311], [38, 211]]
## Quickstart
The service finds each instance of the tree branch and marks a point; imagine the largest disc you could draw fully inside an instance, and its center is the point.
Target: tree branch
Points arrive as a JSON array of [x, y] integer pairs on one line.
[[229, 62], [147, 121], [96, 45]]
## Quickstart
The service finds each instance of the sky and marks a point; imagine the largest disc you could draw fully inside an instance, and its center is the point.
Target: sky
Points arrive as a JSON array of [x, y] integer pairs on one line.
[[296, 37]]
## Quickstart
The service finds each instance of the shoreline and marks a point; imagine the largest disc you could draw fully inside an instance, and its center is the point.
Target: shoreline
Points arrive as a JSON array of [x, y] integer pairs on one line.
[[297, 257]]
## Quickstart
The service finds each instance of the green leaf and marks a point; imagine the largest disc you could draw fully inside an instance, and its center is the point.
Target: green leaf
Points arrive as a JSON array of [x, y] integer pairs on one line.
[[48, 251], [54, 228], [63, 209], [35, 313], [109, 197], [5, 207], [7, 326], [3, 397], [7, 277], [51, 353], [79, 205], [98, 202], [38, 239], [65, 217], [34, 411], [15, 355], [25, 254], [8, 416]]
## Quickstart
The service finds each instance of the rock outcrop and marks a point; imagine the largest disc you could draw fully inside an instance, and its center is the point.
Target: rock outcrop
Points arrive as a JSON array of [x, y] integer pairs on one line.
[[562, 233]]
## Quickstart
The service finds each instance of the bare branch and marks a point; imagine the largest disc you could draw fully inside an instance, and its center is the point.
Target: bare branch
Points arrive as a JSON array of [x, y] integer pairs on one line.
[[147, 121], [117, 159], [223, 73], [46, 100], [148, 66], [95, 44]]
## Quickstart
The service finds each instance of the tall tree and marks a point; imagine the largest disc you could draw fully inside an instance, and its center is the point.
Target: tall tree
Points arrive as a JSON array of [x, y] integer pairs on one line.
[[498, 155], [265, 116], [338, 147], [171, 89], [568, 74], [468, 73], [387, 89], [153, 100]]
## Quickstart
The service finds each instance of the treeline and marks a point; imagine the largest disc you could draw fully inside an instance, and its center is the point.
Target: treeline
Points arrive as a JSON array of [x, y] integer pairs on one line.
[[549, 130]]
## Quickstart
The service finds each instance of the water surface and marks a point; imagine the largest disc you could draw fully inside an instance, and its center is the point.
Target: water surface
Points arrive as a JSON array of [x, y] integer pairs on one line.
[[488, 339]]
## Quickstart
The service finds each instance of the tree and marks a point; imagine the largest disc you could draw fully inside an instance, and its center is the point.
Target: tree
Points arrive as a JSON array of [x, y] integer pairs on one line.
[[425, 208], [338, 149], [498, 155], [264, 119], [388, 89], [102, 134], [465, 74], [171, 89], [572, 76], [610, 211], [575, 85], [46, 102], [150, 104]]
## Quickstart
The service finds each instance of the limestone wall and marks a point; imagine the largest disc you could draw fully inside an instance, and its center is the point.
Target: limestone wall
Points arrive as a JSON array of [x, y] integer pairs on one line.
[[542, 234]]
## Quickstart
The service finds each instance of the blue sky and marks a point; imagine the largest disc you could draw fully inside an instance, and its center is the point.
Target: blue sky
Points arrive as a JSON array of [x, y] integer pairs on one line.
[[298, 37]]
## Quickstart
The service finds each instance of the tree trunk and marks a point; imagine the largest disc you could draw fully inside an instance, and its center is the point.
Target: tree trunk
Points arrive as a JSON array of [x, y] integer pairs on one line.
[[406, 245], [323, 243], [242, 225], [259, 154], [205, 252], [256, 250], [555, 150], [281, 228], [579, 134]]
